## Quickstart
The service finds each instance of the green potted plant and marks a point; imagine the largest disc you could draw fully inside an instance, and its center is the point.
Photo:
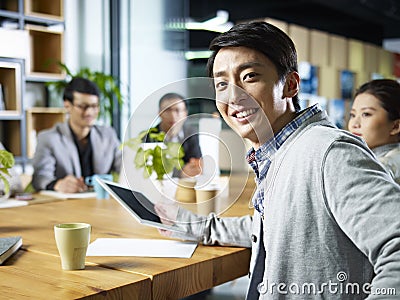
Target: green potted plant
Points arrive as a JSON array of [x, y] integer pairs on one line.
[[159, 157], [6, 162], [108, 86]]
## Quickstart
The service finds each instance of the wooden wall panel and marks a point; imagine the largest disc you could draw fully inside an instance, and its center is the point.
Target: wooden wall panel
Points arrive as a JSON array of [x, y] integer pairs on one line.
[[329, 82], [338, 52], [282, 25], [360, 78], [319, 48], [356, 56], [386, 63], [371, 58], [301, 38]]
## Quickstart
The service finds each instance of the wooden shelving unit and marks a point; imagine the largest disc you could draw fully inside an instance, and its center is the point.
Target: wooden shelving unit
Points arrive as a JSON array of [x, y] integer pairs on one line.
[[36, 27], [10, 81], [38, 119], [12, 122], [9, 5], [45, 9], [12, 137], [46, 49]]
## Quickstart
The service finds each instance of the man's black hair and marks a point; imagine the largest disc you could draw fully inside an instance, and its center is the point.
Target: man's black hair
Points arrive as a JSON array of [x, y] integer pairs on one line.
[[169, 96], [265, 38], [80, 85]]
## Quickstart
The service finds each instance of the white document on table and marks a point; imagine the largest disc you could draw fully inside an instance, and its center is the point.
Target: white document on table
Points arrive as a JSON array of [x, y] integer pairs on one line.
[[12, 203], [60, 195], [141, 247]]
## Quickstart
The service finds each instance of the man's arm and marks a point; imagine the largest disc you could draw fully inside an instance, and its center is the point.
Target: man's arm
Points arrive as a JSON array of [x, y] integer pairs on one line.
[[117, 164], [49, 171], [44, 164], [209, 230], [365, 202]]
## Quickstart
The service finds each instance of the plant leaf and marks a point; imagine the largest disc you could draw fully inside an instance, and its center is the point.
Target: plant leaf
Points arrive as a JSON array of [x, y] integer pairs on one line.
[[6, 159], [159, 160], [6, 183], [6, 162], [147, 171], [140, 159]]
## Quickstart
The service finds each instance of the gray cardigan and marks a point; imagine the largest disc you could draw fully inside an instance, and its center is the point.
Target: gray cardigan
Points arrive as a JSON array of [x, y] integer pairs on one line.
[[56, 155], [331, 221]]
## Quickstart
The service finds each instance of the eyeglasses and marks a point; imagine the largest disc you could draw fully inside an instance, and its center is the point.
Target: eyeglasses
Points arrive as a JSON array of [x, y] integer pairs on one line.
[[85, 107], [171, 110]]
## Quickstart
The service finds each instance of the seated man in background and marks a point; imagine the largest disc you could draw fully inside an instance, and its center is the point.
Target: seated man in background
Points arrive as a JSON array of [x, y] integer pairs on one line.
[[173, 113], [70, 151]]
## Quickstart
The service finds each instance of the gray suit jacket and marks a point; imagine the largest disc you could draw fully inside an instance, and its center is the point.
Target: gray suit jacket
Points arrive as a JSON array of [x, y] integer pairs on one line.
[[57, 156]]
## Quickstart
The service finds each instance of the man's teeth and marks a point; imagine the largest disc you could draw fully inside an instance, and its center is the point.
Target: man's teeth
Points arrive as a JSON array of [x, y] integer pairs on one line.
[[246, 113]]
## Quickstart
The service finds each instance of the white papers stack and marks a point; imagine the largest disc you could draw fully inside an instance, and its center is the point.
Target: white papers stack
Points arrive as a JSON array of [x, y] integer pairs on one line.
[[141, 247]]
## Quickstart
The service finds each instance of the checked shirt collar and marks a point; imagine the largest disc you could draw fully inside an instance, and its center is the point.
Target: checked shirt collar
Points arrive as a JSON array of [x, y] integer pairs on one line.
[[260, 160]]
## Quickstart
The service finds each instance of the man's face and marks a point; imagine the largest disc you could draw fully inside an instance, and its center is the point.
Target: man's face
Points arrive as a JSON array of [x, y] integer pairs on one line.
[[84, 109], [173, 113], [248, 93]]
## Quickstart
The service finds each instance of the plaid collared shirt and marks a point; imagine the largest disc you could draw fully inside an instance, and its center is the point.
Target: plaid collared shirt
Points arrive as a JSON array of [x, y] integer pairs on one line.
[[260, 159]]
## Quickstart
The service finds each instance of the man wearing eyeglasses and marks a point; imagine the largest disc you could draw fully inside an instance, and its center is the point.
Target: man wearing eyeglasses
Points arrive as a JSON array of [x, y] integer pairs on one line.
[[173, 114], [77, 148]]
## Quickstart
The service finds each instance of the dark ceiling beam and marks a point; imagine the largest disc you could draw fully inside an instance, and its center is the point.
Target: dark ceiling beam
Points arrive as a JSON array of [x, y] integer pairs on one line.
[[239, 8], [374, 13], [366, 20], [367, 9]]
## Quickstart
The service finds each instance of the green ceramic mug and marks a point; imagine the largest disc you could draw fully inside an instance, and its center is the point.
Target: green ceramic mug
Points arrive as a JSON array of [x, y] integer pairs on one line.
[[72, 240]]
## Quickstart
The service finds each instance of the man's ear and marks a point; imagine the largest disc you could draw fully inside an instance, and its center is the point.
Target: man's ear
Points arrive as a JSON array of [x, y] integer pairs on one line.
[[292, 85], [396, 128], [67, 105]]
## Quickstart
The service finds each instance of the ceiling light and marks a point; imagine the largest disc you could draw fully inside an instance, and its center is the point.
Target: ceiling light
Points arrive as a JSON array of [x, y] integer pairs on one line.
[[219, 23], [189, 55]]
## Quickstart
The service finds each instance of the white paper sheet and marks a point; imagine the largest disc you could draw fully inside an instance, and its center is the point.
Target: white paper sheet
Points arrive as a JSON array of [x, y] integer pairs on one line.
[[68, 195], [12, 203], [141, 247]]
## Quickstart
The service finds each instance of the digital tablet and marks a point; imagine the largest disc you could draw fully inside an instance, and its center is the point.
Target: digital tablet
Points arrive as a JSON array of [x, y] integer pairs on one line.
[[137, 204]]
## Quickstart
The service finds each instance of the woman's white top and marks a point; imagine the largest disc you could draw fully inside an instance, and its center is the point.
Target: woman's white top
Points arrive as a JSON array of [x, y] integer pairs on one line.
[[389, 156]]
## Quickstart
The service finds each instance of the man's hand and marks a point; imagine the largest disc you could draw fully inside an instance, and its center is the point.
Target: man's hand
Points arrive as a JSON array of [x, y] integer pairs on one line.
[[70, 184], [167, 211], [192, 168]]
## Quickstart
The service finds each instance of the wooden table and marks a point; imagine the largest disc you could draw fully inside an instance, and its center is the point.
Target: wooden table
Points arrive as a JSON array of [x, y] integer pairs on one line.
[[119, 277], [33, 275]]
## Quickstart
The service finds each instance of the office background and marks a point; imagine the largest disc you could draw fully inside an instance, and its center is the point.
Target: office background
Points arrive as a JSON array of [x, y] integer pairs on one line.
[[143, 43], [151, 56]]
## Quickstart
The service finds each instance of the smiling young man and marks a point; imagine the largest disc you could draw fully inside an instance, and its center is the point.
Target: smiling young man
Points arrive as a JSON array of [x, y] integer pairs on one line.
[[70, 151], [250, 93], [324, 225]]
